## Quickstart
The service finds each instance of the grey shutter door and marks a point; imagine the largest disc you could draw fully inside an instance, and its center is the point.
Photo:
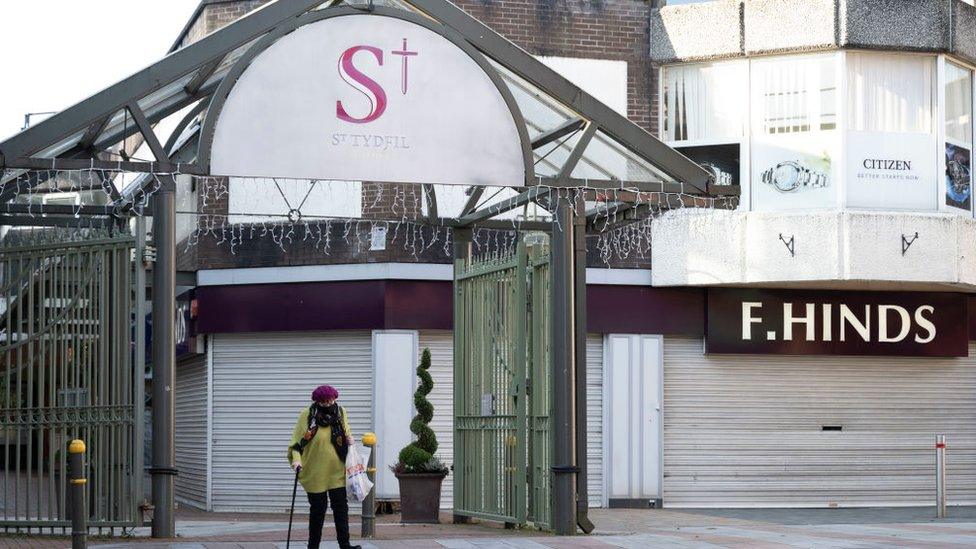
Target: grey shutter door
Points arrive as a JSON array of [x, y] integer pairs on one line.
[[190, 438], [594, 419], [746, 430], [441, 344], [261, 382]]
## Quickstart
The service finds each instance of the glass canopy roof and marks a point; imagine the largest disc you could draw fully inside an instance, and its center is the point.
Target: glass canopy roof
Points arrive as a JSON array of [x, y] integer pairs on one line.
[[101, 123]]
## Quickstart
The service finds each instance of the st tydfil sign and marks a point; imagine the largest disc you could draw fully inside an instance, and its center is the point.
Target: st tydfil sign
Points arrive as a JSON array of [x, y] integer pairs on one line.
[[836, 323], [369, 98]]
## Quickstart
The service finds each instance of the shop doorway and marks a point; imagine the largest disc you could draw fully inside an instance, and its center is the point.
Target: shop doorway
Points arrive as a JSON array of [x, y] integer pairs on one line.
[[633, 420]]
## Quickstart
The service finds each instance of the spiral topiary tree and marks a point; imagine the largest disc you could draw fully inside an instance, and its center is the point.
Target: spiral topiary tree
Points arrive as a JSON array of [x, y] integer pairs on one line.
[[416, 455]]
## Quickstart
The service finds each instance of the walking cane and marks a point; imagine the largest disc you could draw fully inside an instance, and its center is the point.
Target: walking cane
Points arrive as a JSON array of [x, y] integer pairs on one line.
[[294, 490]]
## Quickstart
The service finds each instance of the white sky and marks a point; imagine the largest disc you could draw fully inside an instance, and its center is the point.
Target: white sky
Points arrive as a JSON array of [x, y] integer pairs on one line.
[[58, 52]]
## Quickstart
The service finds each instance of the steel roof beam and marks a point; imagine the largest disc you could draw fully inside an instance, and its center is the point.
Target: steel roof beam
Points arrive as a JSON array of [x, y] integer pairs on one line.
[[558, 132], [502, 207], [62, 221], [531, 69], [474, 196], [577, 152], [94, 130], [145, 128], [92, 163], [141, 84], [499, 224], [203, 73], [56, 209]]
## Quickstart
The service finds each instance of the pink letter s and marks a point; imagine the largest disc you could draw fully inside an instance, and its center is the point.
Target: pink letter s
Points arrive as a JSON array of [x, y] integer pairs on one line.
[[365, 85]]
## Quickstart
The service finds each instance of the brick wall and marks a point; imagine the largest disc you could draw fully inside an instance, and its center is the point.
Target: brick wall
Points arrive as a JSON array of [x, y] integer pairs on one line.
[[597, 29]]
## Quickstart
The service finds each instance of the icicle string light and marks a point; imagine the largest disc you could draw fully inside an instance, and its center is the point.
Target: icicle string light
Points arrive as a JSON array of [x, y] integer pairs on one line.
[[233, 212]]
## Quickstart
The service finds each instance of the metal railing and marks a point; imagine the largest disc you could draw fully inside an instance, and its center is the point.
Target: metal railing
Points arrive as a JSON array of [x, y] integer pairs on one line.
[[502, 450], [66, 372]]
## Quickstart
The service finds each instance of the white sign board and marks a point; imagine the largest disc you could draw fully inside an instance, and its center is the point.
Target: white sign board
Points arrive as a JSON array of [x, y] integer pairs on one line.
[[367, 98], [794, 171], [892, 171]]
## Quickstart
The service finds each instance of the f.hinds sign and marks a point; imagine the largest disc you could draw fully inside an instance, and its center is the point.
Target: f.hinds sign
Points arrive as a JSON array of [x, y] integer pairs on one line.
[[836, 323]]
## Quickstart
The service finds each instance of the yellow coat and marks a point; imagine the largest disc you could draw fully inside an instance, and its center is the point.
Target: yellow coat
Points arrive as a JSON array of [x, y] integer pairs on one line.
[[321, 467]]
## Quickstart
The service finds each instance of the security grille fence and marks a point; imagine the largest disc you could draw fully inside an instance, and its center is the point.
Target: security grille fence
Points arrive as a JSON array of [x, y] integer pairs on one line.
[[66, 371], [502, 447]]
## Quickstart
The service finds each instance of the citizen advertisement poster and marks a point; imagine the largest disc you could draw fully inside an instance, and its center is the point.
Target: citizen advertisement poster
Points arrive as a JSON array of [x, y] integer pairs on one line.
[[958, 179], [790, 322], [794, 171], [891, 171], [722, 161]]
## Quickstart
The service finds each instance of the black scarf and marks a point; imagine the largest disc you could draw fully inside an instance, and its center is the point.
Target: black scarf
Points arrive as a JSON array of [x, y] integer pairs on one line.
[[331, 416], [325, 416]]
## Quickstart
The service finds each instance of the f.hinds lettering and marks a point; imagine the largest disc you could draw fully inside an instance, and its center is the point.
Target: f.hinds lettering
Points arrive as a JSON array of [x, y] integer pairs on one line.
[[870, 323]]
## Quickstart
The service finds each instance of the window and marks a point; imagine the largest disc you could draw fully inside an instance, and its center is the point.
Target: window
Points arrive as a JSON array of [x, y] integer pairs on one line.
[[890, 93], [959, 104], [705, 102], [959, 136], [261, 200], [795, 94]]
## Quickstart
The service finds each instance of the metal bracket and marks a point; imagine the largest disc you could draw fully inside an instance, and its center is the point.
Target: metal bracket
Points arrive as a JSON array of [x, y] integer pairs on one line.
[[149, 254], [789, 244], [905, 243]]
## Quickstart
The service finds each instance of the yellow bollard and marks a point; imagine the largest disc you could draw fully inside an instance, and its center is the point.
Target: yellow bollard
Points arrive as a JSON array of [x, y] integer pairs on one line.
[[369, 504], [79, 501]]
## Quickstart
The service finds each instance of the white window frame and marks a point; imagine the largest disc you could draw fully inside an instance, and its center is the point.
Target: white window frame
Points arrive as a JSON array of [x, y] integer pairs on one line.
[[942, 139], [842, 126]]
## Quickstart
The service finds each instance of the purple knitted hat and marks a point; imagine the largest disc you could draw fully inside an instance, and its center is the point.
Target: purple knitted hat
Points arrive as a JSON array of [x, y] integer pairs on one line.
[[324, 392]]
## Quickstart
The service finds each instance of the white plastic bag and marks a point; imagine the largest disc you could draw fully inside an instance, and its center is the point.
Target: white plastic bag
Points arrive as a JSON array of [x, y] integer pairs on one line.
[[358, 484]]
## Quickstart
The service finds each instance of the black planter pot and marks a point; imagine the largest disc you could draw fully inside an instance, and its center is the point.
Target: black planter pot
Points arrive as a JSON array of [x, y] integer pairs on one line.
[[420, 497]]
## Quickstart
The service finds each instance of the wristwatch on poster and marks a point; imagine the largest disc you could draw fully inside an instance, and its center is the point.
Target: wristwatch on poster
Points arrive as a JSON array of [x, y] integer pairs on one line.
[[959, 176], [790, 175], [720, 176]]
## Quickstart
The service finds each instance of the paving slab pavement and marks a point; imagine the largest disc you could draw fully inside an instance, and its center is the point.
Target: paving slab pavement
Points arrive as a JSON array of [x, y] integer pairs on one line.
[[624, 528]]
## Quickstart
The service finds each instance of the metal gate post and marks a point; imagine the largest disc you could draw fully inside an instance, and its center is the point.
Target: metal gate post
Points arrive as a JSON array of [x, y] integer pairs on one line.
[[139, 370], [164, 364], [579, 295], [563, 371], [461, 239]]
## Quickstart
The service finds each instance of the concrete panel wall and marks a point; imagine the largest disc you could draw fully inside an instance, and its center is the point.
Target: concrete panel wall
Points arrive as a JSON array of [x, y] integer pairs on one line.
[[851, 249], [778, 25], [708, 30], [734, 28]]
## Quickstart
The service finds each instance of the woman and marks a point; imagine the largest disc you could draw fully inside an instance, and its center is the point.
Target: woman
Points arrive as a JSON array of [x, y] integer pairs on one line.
[[317, 453]]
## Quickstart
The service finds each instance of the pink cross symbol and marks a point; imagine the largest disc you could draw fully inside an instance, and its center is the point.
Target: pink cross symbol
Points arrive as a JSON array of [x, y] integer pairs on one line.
[[405, 54]]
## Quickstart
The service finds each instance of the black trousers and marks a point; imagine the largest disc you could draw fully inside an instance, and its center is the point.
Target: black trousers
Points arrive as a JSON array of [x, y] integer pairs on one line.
[[340, 512]]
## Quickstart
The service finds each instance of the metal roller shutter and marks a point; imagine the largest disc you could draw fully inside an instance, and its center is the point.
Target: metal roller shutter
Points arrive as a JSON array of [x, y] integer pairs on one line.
[[260, 383], [594, 419], [190, 401], [746, 431], [441, 344]]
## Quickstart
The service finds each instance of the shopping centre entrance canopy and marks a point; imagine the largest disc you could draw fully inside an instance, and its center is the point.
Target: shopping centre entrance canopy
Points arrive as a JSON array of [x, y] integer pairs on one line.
[[416, 92]]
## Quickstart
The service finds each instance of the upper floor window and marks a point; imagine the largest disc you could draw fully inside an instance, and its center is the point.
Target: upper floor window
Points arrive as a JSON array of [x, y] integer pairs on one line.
[[891, 93], [959, 103], [705, 102], [795, 94]]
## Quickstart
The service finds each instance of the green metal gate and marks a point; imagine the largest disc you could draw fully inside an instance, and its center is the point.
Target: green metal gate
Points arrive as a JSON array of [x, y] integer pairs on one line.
[[502, 438], [66, 371]]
